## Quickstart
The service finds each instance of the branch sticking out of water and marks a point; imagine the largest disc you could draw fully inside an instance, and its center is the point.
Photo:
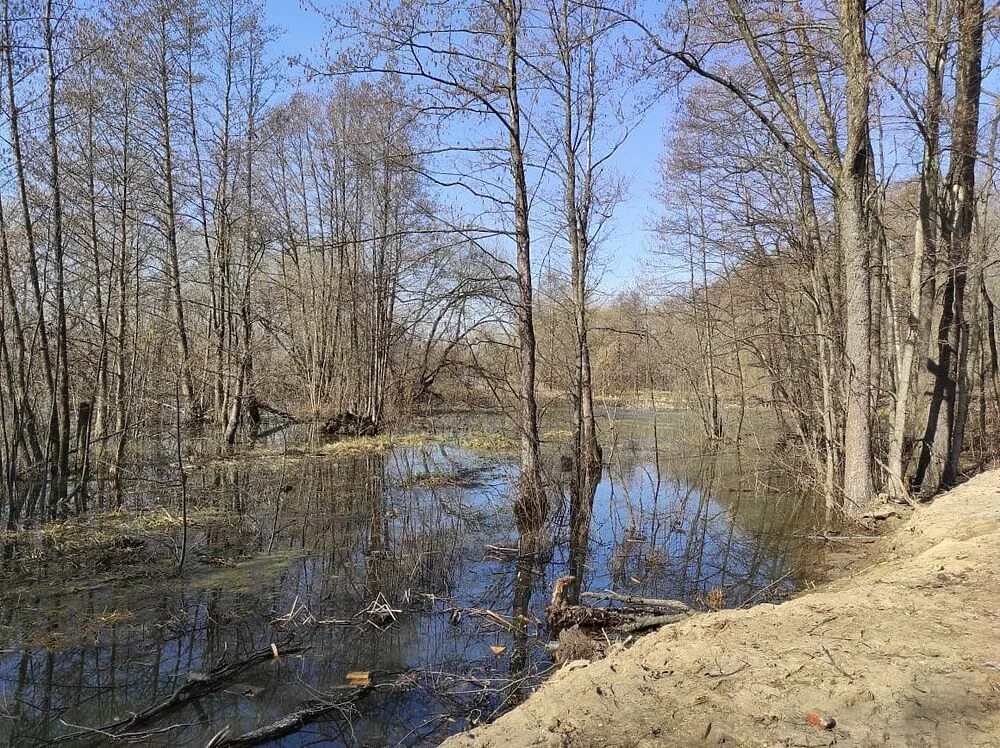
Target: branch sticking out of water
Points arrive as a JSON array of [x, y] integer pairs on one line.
[[287, 725], [634, 600], [197, 687]]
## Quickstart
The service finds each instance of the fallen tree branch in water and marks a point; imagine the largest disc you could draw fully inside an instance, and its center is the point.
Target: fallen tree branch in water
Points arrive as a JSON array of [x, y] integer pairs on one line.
[[561, 615], [290, 723], [126, 737], [489, 615], [300, 615], [195, 688], [275, 412], [635, 600]]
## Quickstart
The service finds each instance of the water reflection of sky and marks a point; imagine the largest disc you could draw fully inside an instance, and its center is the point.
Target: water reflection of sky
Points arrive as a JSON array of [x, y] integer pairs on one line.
[[353, 528]]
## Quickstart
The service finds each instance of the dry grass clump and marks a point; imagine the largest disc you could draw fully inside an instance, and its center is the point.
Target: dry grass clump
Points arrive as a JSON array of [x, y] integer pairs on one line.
[[574, 644], [491, 444], [429, 481], [277, 457], [108, 620]]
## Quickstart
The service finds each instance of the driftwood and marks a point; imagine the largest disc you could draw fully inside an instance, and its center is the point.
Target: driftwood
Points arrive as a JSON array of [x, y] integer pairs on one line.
[[826, 537], [287, 725], [636, 601], [562, 615], [195, 688]]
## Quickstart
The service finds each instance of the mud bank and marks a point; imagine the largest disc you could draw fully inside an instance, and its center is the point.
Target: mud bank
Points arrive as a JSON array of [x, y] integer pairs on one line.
[[904, 651]]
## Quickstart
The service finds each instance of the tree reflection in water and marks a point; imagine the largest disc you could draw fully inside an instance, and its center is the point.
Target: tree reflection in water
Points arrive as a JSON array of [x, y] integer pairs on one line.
[[330, 535]]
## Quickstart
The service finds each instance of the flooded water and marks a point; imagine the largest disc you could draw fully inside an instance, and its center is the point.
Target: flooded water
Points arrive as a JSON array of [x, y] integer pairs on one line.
[[404, 563]]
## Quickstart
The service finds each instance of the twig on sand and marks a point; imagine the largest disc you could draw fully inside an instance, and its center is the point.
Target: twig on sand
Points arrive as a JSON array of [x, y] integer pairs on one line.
[[838, 667], [720, 673], [761, 592]]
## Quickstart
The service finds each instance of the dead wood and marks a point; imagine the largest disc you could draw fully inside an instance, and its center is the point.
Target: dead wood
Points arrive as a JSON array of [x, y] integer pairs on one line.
[[350, 424], [652, 622], [290, 723], [830, 538], [196, 688], [636, 601], [284, 414], [562, 615], [585, 617]]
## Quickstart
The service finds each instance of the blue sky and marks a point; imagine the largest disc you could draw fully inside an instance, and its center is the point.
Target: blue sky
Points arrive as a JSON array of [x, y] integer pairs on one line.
[[628, 240]]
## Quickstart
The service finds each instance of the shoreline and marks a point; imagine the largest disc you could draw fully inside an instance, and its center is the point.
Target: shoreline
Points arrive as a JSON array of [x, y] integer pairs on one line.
[[902, 651]]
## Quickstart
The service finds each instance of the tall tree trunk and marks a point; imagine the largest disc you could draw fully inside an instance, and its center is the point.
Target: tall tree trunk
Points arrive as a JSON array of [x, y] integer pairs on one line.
[[53, 438], [532, 503], [921, 284], [60, 476], [943, 437], [578, 205], [854, 235], [170, 224]]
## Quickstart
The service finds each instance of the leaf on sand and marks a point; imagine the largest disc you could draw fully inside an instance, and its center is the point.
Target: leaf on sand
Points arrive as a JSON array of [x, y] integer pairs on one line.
[[497, 649], [358, 677]]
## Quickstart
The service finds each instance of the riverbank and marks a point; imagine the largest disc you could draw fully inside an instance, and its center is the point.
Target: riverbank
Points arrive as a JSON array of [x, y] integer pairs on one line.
[[903, 651]]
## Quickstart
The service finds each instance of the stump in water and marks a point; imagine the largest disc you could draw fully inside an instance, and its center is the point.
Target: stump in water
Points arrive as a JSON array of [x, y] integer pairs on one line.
[[350, 424]]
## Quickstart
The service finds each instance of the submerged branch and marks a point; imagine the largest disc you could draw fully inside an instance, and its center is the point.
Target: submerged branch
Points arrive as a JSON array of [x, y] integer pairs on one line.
[[287, 725], [196, 688]]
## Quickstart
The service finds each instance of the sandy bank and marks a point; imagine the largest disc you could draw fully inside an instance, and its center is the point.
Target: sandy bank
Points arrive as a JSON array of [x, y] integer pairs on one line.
[[905, 651]]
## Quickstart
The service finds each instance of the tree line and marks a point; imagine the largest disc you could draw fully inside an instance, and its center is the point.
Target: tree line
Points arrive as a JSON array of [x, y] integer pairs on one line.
[[185, 225]]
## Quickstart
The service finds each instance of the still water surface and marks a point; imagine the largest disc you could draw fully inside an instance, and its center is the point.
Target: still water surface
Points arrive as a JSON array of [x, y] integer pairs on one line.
[[425, 528]]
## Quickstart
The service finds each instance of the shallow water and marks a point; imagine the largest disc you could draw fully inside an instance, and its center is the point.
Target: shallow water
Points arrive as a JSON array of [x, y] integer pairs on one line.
[[427, 529]]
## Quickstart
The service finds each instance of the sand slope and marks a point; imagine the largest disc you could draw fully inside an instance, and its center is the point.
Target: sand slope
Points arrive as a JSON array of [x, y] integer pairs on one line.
[[904, 652]]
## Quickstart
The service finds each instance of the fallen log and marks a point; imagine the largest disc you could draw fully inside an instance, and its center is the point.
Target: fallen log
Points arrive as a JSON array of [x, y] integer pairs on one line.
[[284, 414], [585, 617], [560, 614], [826, 537], [652, 622], [196, 688], [287, 725], [636, 601]]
